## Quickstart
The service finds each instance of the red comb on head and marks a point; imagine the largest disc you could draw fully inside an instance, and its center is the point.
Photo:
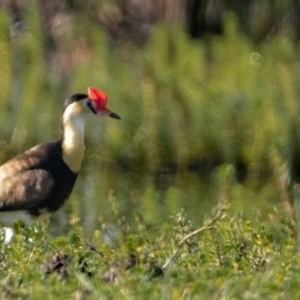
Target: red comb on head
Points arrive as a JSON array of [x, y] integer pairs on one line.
[[99, 97]]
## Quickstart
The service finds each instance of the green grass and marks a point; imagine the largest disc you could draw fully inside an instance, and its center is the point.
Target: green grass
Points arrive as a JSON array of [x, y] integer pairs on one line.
[[236, 259]]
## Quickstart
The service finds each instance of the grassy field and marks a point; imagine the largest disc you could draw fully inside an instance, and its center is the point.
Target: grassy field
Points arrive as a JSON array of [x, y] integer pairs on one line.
[[203, 122], [235, 258]]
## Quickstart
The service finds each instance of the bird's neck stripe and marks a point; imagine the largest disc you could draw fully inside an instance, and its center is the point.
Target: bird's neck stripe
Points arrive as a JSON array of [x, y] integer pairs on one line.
[[73, 142]]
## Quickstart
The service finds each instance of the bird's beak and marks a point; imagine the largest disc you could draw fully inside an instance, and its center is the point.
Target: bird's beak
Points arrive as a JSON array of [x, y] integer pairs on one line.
[[114, 115]]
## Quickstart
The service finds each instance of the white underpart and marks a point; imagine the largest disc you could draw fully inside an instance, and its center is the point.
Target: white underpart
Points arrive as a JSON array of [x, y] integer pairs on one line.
[[8, 219], [8, 234]]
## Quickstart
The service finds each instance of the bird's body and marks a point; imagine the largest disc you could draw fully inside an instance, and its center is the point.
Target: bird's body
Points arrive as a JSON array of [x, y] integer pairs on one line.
[[35, 184]]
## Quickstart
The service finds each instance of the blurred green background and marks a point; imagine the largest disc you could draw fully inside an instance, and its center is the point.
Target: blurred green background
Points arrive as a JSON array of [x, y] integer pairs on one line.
[[207, 90]]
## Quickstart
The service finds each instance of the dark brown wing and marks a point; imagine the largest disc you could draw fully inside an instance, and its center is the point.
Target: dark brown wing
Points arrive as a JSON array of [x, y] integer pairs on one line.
[[23, 162], [25, 190], [22, 183]]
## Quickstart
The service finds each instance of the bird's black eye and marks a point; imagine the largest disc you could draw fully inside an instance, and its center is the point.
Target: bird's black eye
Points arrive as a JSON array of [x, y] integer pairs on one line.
[[89, 104]]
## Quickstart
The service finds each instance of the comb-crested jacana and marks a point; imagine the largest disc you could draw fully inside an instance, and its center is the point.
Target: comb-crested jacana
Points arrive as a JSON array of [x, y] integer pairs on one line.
[[35, 184]]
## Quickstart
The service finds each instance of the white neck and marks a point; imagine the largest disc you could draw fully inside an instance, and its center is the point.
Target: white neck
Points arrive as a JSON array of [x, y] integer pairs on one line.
[[73, 140]]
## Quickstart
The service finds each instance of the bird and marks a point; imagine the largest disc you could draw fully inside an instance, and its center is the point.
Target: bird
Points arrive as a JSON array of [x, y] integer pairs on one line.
[[36, 183]]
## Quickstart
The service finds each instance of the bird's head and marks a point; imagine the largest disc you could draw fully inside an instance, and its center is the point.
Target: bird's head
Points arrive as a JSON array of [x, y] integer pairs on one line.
[[92, 104]]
